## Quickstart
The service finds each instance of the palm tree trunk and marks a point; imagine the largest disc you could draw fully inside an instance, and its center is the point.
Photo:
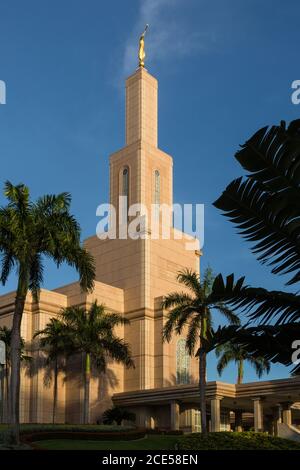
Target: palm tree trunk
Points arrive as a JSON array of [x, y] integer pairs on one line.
[[87, 379], [7, 414], [240, 371], [2, 380], [16, 362], [202, 388], [55, 391]]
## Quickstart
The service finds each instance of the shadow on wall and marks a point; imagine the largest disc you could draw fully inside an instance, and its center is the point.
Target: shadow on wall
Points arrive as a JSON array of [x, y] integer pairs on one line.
[[38, 402]]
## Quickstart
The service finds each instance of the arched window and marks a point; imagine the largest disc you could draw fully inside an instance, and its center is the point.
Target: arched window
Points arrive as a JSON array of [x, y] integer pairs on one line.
[[125, 182], [156, 187], [182, 363]]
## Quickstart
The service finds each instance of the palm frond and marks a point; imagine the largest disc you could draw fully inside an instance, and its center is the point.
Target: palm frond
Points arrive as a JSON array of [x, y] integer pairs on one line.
[[265, 207], [193, 335], [190, 279], [225, 291], [232, 317], [263, 305], [7, 264], [273, 343], [175, 299]]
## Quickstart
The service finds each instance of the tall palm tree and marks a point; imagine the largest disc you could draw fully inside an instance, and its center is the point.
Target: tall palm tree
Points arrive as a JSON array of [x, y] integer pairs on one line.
[[194, 310], [265, 208], [234, 352], [55, 340], [5, 336], [92, 334], [28, 232]]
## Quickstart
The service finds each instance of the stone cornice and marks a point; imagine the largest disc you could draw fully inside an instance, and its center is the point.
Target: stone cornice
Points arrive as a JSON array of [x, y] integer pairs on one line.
[[188, 393]]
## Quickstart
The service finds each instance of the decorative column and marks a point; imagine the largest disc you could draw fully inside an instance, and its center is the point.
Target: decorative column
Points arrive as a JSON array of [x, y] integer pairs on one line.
[[215, 409], [258, 415], [238, 417], [287, 413], [175, 415]]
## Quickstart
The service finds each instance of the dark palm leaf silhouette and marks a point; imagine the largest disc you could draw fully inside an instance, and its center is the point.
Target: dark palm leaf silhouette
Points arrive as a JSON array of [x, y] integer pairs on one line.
[[266, 206]]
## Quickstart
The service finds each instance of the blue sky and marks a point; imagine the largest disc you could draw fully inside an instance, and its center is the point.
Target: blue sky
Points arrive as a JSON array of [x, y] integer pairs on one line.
[[225, 69]]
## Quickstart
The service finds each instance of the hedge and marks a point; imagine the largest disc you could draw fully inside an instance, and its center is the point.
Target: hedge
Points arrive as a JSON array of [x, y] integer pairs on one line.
[[235, 441], [27, 429], [90, 436]]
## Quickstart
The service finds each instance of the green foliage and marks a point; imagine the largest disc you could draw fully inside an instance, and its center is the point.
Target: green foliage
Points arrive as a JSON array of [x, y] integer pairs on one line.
[[69, 428], [117, 415], [5, 336], [195, 308], [273, 342], [29, 230], [235, 352], [55, 339], [234, 441], [92, 332]]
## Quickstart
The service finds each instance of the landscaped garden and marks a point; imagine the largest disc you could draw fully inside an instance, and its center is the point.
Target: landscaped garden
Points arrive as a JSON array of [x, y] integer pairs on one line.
[[213, 441], [235, 441], [104, 437]]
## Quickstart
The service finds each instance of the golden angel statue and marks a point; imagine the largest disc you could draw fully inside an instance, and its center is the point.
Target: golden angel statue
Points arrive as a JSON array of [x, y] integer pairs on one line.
[[142, 54]]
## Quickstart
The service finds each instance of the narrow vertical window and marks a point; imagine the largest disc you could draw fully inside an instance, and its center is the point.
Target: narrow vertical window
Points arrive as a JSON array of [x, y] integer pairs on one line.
[[156, 196], [157, 187], [182, 363], [125, 194]]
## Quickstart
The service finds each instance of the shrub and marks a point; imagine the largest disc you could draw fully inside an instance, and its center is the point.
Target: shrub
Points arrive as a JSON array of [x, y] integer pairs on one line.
[[117, 415], [165, 432], [235, 441]]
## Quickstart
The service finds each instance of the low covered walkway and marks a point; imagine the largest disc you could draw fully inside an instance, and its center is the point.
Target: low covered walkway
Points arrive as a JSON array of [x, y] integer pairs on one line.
[[256, 405]]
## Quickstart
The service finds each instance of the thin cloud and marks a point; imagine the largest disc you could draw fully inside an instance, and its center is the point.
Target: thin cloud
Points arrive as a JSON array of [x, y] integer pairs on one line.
[[169, 36]]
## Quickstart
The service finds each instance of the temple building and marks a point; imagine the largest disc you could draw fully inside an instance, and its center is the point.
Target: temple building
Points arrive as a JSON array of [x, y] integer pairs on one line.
[[132, 276]]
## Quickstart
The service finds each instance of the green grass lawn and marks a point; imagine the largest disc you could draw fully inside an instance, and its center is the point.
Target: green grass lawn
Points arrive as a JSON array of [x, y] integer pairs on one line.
[[147, 443], [213, 441]]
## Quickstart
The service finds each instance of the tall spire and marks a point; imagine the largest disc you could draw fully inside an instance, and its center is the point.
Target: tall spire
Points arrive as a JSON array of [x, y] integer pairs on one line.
[[141, 108]]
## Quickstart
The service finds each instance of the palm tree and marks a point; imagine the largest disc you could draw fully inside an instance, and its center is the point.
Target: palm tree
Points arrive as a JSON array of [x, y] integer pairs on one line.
[[194, 309], [117, 414], [28, 232], [92, 334], [234, 352], [265, 208], [5, 336], [55, 340]]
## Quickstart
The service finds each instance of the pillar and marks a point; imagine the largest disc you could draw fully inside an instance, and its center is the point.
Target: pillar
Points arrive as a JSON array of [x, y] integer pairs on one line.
[[277, 413], [238, 418], [144, 418], [215, 409], [175, 415], [287, 413], [258, 415]]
